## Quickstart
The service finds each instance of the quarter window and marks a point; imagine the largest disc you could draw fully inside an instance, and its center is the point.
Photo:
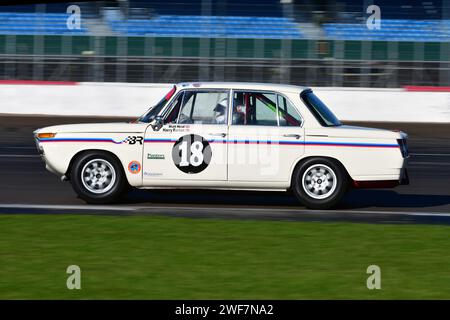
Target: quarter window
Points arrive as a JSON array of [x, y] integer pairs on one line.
[[287, 114]]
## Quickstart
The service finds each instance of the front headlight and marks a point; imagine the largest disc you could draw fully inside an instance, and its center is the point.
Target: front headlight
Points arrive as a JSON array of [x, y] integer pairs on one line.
[[45, 135]]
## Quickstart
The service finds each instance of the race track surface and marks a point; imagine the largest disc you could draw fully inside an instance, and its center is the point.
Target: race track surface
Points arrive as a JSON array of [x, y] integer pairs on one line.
[[26, 187]]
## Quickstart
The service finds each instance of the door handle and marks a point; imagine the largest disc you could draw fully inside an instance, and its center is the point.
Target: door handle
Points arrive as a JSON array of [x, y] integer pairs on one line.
[[296, 136], [223, 135]]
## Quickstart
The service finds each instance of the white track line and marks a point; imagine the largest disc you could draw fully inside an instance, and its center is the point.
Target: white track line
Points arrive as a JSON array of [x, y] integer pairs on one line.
[[65, 207], [431, 154], [143, 208], [427, 163]]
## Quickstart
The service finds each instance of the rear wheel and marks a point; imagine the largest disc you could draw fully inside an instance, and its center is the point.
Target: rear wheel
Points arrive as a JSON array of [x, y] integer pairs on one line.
[[319, 183], [97, 177]]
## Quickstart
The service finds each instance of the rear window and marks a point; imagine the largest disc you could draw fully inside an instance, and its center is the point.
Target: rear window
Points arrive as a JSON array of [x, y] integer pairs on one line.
[[320, 111]]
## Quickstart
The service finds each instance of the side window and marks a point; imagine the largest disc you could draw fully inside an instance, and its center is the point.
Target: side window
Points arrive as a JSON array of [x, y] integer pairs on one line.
[[288, 115], [254, 108], [204, 107]]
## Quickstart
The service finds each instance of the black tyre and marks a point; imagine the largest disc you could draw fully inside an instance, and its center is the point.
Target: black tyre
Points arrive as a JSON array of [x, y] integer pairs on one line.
[[319, 183], [97, 177]]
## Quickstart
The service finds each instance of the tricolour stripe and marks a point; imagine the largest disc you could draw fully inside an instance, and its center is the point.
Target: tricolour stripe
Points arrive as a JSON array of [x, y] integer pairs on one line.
[[352, 144], [262, 142], [109, 140]]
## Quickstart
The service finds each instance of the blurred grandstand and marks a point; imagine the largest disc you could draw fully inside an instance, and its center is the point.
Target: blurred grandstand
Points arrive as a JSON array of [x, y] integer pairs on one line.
[[317, 43]]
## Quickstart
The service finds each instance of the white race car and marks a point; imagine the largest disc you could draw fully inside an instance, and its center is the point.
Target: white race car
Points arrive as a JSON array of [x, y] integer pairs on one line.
[[243, 136]]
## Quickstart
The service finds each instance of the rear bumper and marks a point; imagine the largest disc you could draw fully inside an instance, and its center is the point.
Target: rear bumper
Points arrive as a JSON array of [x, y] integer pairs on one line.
[[404, 180]]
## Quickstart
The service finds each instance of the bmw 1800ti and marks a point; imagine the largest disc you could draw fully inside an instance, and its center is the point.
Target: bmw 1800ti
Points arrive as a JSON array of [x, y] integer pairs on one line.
[[245, 136]]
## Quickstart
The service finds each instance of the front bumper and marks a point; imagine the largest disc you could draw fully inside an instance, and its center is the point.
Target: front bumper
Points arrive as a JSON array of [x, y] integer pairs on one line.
[[39, 147]]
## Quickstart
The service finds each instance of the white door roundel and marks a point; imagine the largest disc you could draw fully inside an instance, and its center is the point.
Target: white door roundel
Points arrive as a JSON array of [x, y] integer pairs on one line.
[[191, 153]]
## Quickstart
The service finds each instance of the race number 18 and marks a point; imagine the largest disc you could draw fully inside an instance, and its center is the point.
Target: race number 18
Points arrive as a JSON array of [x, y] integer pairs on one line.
[[196, 157], [191, 153]]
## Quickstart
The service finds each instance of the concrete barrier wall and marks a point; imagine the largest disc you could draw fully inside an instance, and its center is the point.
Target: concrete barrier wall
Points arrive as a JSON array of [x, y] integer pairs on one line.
[[119, 99], [396, 105], [81, 99]]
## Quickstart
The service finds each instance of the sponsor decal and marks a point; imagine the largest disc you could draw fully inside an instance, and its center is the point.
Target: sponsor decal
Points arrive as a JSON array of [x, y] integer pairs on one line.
[[134, 140], [152, 174], [153, 156], [134, 167], [176, 128], [191, 153]]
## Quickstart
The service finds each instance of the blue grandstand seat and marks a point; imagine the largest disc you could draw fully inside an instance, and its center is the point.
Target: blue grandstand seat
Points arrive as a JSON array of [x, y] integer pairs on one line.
[[209, 26], [37, 23], [391, 29], [226, 26]]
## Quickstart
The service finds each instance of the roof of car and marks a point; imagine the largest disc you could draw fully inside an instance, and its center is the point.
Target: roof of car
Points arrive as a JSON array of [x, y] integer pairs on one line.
[[243, 85]]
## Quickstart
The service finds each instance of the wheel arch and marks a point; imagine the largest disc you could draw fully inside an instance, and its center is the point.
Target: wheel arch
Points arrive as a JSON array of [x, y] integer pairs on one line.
[[302, 160], [82, 152]]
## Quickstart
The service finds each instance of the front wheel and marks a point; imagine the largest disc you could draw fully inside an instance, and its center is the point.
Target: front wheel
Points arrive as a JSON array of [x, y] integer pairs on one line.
[[97, 177], [319, 183]]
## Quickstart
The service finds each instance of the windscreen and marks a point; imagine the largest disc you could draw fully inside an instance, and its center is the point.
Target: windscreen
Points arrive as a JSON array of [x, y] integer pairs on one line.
[[155, 110]]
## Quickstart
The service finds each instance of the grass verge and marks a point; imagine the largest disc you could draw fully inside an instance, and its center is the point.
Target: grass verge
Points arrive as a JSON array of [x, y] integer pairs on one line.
[[147, 257]]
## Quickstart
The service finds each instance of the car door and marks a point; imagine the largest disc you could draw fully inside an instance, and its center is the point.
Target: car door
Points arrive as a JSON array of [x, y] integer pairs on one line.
[[191, 144], [266, 137]]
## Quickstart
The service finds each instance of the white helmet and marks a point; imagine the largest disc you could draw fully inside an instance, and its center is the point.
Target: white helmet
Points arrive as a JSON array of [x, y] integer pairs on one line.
[[220, 110]]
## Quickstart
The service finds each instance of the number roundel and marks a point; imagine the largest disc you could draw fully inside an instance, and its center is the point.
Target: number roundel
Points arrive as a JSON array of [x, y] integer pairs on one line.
[[191, 153]]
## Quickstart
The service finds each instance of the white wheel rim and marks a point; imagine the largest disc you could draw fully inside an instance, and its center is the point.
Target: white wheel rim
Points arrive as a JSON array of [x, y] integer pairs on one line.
[[319, 181], [98, 176]]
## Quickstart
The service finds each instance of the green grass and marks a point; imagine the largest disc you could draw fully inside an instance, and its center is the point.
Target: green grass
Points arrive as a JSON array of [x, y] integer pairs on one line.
[[145, 257]]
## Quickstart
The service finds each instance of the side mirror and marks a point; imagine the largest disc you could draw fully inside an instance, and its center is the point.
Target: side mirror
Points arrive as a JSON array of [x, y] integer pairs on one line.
[[157, 123]]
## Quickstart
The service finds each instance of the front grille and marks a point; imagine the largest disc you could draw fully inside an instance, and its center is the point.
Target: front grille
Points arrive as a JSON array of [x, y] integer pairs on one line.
[[403, 147]]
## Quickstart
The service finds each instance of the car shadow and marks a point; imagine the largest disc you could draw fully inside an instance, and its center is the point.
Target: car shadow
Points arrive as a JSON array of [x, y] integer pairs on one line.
[[358, 199], [212, 197], [355, 199]]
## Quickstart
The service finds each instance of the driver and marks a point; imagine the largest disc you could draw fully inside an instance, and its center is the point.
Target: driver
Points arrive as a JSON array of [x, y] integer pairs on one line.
[[220, 110], [239, 114]]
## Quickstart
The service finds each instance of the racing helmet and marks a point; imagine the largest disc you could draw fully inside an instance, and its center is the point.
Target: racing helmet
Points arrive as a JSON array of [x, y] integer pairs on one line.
[[220, 110]]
